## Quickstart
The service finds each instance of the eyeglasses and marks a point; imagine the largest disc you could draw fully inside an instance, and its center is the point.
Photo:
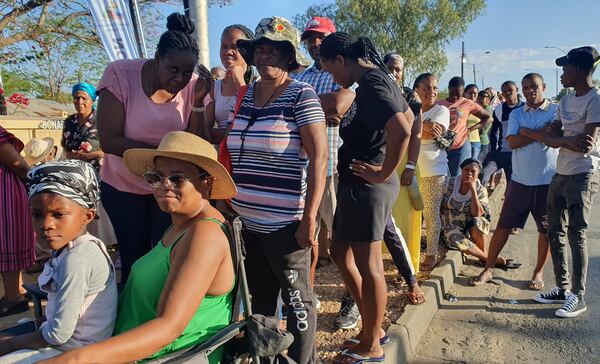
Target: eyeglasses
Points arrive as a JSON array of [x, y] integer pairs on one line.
[[174, 181]]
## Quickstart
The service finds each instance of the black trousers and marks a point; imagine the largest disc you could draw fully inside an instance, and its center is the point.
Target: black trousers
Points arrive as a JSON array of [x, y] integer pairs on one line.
[[138, 222], [274, 263]]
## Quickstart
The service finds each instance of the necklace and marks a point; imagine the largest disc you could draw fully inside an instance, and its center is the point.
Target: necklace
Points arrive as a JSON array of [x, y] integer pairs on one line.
[[153, 74], [270, 97]]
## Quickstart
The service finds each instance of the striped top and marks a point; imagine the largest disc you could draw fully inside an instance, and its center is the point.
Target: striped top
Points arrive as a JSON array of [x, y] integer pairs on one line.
[[269, 167], [323, 83]]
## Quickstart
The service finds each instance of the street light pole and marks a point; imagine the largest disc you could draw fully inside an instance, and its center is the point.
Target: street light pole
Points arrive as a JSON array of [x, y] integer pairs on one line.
[[562, 50], [463, 60], [474, 75]]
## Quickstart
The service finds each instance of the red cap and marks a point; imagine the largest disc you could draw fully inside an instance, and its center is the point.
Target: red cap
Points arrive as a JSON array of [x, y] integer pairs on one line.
[[318, 24]]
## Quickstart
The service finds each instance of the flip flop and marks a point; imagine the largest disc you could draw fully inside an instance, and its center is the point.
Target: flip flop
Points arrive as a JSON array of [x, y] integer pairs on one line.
[[416, 298], [536, 285], [358, 359], [510, 264], [382, 341]]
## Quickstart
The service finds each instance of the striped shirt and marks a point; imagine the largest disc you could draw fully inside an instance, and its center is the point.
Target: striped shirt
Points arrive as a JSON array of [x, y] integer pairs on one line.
[[269, 166], [323, 83]]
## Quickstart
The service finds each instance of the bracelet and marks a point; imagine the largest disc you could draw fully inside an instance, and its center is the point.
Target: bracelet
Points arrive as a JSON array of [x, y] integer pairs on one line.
[[198, 109], [410, 166]]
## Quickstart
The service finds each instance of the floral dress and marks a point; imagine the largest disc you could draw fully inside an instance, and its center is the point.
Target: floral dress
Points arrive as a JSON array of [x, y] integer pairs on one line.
[[82, 138], [457, 219]]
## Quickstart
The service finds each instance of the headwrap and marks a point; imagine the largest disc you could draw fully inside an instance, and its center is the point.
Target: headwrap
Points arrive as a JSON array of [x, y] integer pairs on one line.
[[474, 161], [72, 178], [86, 87]]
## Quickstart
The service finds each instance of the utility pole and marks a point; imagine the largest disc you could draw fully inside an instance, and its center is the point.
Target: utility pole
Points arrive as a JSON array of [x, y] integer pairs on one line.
[[474, 74], [557, 83], [198, 12], [463, 60]]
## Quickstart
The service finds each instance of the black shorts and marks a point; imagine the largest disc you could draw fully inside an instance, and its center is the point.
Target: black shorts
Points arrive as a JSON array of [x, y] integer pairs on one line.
[[363, 208], [522, 200]]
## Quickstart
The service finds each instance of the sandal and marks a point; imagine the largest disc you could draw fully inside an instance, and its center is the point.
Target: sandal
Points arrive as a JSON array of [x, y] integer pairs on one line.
[[342, 358], [17, 307], [510, 264], [416, 298], [353, 341], [536, 285]]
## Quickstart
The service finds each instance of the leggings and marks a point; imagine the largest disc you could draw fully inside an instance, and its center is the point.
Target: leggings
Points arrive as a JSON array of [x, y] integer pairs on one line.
[[432, 190], [394, 241]]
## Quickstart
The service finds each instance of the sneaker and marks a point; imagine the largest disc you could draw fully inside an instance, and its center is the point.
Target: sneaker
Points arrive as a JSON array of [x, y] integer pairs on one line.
[[348, 316], [555, 295], [574, 306]]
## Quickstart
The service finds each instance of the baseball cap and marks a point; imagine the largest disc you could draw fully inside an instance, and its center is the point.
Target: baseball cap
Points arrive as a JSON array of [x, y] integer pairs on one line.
[[318, 24], [583, 56]]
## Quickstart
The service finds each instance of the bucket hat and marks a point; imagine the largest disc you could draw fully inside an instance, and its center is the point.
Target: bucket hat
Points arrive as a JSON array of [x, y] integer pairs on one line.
[[276, 29]]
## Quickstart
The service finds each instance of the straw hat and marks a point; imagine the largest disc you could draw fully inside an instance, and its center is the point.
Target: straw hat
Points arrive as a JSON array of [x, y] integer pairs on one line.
[[186, 147], [37, 150]]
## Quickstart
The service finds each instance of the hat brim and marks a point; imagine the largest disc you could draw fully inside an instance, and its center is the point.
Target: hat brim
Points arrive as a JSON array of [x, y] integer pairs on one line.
[[33, 161], [139, 160], [562, 61], [246, 48]]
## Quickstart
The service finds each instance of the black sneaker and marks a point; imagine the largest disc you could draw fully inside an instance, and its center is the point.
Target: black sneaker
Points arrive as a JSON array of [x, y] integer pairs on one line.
[[555, 295], [574, 306], [348, 316]]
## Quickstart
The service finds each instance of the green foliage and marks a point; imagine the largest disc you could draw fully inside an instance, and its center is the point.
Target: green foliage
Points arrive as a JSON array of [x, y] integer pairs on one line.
[[418, 30]]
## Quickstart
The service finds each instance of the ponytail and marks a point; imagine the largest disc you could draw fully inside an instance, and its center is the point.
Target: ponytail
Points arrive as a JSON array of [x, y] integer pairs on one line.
[[343, 44]]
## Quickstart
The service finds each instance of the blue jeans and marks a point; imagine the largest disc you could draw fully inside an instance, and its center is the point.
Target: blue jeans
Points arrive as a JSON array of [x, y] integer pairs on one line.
[[475, 149], [457, 156]]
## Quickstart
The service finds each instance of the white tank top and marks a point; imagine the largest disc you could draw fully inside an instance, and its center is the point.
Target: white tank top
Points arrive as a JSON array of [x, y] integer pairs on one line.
[[223, 106]]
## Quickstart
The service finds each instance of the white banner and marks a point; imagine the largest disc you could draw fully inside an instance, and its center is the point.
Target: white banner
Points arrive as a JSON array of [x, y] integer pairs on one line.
[[115, 28]]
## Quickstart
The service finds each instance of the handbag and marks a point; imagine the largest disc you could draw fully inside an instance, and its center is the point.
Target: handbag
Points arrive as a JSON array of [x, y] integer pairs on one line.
[[224, 155], [445, 140]]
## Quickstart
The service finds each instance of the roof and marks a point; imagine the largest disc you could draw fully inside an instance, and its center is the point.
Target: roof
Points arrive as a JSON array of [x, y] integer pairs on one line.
[[41, 108]]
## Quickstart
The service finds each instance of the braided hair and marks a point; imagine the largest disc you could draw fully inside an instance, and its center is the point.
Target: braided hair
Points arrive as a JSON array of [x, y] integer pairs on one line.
[[178, 36], [343, 44], [250, 75]]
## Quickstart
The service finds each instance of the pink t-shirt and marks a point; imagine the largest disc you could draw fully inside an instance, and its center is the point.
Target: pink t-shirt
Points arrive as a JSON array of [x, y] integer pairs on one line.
[[459, 113], [145, 120]]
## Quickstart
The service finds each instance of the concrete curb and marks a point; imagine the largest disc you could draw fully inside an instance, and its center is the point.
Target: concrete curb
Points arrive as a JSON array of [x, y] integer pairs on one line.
[[410, 327]]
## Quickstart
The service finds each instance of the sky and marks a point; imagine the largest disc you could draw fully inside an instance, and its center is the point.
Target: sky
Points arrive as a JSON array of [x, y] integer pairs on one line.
[[514, 32]]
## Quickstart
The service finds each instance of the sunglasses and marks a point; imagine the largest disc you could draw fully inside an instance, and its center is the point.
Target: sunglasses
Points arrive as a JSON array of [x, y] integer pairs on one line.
[[174, 181]]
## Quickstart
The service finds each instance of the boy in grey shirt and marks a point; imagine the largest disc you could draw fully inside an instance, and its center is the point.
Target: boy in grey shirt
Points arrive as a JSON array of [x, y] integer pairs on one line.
[[79, 278], [575, 184]]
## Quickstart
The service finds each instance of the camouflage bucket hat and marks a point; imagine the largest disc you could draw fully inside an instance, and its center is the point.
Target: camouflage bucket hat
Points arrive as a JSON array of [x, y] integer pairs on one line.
[[278, 30]]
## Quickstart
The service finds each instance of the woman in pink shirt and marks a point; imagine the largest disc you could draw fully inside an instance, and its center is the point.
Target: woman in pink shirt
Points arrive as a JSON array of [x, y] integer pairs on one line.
[[140, 101], [460, 109]]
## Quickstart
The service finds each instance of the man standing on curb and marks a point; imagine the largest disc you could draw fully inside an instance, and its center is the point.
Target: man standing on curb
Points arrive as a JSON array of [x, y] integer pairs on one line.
[[577, 178], [534, 165], [335, 101]]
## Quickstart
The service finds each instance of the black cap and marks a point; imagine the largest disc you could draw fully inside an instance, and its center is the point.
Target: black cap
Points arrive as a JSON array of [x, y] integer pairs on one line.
[[583, 56]]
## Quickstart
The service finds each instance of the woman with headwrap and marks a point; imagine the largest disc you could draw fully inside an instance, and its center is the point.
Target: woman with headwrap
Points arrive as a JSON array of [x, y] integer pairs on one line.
[[80, 136], [16, 234], [80, 141]]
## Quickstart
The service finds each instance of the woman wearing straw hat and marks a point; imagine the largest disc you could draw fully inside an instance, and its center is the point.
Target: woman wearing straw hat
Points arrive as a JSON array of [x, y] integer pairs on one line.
[[278, 147], [39, 150], [180, 293]]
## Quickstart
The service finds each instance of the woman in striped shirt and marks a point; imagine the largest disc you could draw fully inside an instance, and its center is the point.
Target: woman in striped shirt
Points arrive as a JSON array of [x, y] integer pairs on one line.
[[278, 147]]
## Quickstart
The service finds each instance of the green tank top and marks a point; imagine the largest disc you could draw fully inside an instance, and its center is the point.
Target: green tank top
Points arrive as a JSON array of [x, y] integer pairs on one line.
[[139, 300]]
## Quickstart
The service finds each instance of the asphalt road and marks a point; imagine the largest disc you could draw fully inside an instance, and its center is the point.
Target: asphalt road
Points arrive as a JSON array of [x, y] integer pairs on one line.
[[484, 326]]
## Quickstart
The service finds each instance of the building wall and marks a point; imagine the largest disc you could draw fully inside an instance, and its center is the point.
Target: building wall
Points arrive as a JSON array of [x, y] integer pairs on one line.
[[26, 128]]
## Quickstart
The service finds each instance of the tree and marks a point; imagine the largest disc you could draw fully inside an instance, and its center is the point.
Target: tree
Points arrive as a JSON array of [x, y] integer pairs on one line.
[[418, 30]]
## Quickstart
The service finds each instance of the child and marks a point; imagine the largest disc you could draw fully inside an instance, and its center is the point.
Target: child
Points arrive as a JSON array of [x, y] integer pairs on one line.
[[79, 277]]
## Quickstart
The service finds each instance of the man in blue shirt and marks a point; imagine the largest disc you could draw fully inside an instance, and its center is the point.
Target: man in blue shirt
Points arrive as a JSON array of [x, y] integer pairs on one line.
[[534, 165]]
